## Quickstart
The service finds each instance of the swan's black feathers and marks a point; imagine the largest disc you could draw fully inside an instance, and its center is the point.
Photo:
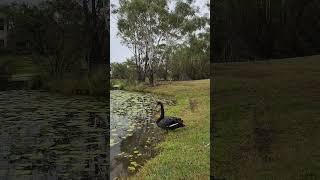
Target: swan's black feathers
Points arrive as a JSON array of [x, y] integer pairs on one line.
[[167, 122], [170, 123]]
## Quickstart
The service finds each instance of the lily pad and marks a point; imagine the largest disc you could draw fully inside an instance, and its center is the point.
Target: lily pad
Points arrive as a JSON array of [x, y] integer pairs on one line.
[[135, 164], [131, 168]]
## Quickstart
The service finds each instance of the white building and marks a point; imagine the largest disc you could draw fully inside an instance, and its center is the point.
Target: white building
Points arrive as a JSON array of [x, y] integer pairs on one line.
[[3, 31]]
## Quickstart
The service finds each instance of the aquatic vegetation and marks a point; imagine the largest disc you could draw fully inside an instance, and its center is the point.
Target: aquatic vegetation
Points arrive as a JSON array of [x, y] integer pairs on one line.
[[129, 112], [44, 134], [132, 124]]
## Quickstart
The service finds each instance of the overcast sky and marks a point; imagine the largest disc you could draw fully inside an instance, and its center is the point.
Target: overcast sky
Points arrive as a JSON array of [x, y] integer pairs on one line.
[[119, 52]]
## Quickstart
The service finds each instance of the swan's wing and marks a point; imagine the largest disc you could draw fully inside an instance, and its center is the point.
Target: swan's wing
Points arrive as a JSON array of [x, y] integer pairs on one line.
[[173, 122], [176, 119], [167, 121]]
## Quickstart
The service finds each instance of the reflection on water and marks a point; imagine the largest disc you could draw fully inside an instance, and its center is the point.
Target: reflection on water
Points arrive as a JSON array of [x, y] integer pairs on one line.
[[46, 136], [133, 134]]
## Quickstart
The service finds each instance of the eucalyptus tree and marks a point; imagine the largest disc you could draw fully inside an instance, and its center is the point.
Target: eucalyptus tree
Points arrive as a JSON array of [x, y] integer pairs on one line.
[[191, 60], [146, 26]]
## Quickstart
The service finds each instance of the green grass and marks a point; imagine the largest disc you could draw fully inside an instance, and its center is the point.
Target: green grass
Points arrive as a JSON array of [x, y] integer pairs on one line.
[[185, 153], [128, 85], [282, 99], [24, 64], [18, 64]]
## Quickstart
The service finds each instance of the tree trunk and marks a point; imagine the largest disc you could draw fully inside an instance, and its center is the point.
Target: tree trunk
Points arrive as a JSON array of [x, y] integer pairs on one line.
[[151, 77]]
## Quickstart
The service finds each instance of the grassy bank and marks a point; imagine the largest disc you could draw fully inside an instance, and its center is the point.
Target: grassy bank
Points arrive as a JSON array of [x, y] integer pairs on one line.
[[185, 153], [267, 119], [127, 85], [18, 64], [71, 83]]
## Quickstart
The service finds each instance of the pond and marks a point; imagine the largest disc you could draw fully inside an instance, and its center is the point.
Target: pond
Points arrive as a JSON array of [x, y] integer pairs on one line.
[[133, 132], [50, 136]]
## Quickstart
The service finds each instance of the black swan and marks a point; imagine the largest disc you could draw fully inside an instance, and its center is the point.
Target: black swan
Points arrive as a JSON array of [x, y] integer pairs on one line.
[[168, 123]]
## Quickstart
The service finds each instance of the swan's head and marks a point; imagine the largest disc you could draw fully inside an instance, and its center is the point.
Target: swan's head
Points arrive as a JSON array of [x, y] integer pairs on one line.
[[159, 103]]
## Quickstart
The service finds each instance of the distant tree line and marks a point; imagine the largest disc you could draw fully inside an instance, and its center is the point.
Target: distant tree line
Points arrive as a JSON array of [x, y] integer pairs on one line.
[[187, 61], [65, 35], [264, 29], [67, 39], [166, 44]]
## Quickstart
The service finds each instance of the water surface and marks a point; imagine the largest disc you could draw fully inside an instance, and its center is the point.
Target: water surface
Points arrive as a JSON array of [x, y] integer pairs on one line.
[[50, 136], [133, 132]]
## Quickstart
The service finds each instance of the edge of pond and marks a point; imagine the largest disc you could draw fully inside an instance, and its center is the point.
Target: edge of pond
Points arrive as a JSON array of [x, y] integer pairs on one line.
[[157, 149]]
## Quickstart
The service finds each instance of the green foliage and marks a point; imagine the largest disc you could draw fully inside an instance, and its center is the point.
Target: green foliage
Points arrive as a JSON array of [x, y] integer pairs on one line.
[[191, 61], [98, 84], [50, 31], [149, 27], [125, 70], [119, 83], [128, 85], [65, 86], [188, 61], [17, 64], [68, 41], [95, 85]]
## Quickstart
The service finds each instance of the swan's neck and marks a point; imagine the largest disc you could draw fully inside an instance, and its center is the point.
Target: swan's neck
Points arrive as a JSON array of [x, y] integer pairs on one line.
[[161, 113]]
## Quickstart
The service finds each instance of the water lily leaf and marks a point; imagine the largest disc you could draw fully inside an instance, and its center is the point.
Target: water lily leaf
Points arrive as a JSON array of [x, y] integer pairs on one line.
[[120, 154], [112, 142], [135, 164], [131, 168]]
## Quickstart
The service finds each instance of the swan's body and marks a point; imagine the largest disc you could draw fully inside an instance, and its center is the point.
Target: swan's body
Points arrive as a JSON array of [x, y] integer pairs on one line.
[[168, 123]]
